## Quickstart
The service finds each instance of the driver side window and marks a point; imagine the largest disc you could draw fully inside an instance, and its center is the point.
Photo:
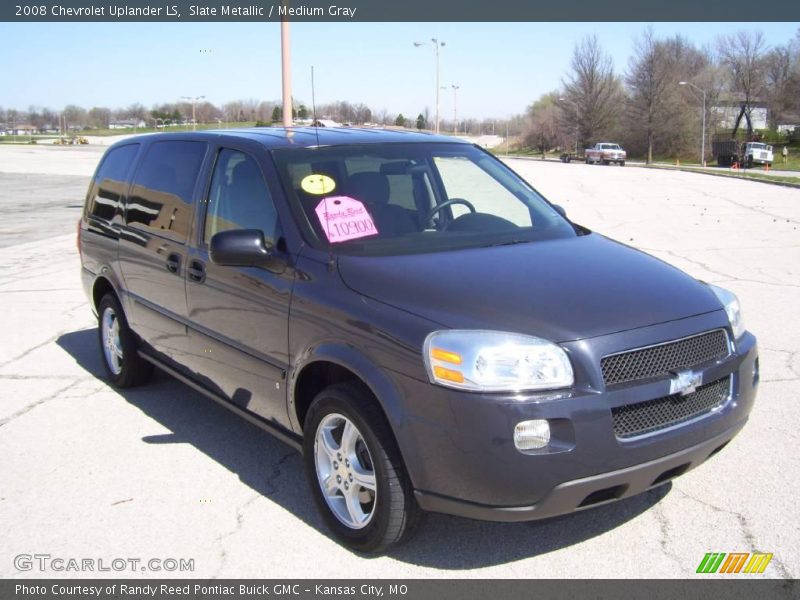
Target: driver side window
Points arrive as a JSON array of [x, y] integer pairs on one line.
[[239, 197], [463, 178]]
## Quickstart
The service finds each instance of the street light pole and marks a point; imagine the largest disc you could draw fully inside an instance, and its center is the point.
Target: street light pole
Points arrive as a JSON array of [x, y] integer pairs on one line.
[[703, 139], [455, 109], [455, 106], [436, 44], [193, 100]]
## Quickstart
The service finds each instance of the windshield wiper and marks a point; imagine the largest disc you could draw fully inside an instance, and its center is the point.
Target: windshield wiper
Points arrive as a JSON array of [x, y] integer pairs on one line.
[[508, 243]]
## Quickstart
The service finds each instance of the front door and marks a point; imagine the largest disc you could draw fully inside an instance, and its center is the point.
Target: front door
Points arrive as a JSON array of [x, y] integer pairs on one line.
[[239, 316]]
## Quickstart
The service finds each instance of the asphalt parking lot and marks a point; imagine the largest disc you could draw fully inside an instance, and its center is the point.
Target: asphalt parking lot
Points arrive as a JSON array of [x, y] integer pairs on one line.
[[161, 472]]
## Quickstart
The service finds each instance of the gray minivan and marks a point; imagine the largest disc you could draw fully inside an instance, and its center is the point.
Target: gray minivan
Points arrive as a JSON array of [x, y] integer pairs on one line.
[[430, 331]]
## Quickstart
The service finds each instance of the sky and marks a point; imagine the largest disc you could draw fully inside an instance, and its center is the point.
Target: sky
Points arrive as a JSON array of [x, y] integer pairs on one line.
[[500, 68]]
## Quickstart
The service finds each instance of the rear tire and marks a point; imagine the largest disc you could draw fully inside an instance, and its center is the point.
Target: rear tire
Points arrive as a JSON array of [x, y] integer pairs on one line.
[[361, 517], [622, 163], [118, 346]]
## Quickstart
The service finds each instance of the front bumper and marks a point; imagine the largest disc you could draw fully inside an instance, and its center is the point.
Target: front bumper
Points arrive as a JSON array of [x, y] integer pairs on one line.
[[461, 457], [587, 492]]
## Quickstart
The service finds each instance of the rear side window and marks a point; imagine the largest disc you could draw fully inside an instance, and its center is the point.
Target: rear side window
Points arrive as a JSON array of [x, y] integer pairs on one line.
[[239, 197], [110, 181], [161, 198]]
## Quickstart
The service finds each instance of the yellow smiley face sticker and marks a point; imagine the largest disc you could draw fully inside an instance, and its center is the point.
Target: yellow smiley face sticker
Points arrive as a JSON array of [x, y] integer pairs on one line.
[[317, 184]]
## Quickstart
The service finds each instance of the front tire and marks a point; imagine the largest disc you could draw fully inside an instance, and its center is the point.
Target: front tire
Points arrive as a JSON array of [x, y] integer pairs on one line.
[[357, 476], [118, 346]]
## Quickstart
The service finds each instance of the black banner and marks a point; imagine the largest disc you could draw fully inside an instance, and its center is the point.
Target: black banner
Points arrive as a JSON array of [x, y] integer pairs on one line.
[[396, 10], [480, 589]]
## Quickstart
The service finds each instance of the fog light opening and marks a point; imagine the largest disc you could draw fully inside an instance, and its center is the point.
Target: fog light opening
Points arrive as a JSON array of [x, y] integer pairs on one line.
[[756, 374], [532, 435]]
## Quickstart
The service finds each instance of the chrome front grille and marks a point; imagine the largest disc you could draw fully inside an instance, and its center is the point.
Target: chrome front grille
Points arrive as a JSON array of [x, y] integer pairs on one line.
[[633, 420], [662, 359]]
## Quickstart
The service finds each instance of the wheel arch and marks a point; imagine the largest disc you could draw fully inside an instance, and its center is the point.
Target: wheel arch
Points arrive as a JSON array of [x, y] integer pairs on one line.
[[102, 285], [332, 363]]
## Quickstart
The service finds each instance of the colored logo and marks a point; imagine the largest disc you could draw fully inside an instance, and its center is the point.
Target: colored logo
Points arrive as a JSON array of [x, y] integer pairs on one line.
[[734, 562]]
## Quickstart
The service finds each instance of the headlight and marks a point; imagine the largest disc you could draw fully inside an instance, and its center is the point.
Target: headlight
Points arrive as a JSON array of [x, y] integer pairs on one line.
[[493, 361], [731, 304]]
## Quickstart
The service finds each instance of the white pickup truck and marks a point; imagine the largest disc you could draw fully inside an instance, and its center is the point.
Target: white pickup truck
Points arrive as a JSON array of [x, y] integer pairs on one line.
[[605, 153]]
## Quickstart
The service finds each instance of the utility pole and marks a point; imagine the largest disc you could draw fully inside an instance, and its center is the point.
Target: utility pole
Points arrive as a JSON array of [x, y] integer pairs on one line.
[[286, 72]]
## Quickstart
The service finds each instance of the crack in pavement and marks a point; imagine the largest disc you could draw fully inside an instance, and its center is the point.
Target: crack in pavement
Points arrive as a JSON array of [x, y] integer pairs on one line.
[[35, 291], [33, 405], [746, 207], [41, 345], [744, 529], [276, 472], [663, 523], [725, 276], [12, 377], [273, 489], [790, 358]]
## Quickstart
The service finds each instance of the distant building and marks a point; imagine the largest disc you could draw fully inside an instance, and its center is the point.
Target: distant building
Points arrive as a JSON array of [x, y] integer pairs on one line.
[[22, 129], [326, 123], [127, 124], [726, 115]]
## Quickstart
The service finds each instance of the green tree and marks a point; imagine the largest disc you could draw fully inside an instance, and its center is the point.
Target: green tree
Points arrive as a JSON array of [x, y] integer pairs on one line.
[[302, 112], [400, 121], [277, 114], [421, 121]]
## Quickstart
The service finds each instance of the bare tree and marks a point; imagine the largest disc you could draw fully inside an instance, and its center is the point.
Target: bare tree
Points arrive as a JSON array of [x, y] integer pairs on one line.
[[543, 130], [75, 116], [780, 83], [743, 55], [682, 111], [591, 97], [650, 79], [99, 117]]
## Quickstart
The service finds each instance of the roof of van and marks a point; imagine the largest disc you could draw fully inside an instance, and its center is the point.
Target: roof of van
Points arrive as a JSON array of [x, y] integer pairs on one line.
[[308, 137]]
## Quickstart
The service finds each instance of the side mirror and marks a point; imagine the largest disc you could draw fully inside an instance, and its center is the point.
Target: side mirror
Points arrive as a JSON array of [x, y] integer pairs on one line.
[[560, 210], [240, 248]]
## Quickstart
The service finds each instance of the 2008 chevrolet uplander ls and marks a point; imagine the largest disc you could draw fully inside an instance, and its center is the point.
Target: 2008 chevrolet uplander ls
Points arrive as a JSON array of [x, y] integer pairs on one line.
[[430, 331]]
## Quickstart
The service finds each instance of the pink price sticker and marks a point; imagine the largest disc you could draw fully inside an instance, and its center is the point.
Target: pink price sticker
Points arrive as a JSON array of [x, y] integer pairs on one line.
[[344, 218]]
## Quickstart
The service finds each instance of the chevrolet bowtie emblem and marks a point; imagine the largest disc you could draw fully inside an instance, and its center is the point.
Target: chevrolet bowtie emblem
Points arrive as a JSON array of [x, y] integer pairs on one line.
[[685, 382]]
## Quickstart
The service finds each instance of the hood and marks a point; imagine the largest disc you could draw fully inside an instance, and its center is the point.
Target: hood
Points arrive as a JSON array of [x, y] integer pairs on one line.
[[561, 290]]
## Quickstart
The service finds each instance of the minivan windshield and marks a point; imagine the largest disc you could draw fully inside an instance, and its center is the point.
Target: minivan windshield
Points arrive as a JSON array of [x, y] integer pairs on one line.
[[402, 198]]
